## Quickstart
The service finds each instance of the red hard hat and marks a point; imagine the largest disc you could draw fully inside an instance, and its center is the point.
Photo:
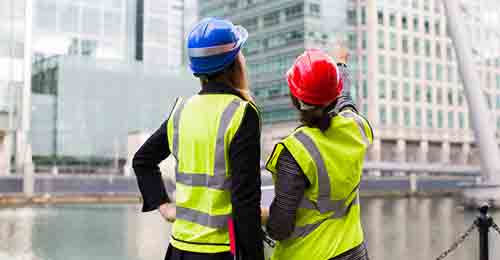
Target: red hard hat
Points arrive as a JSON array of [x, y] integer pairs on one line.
[[314, 78]]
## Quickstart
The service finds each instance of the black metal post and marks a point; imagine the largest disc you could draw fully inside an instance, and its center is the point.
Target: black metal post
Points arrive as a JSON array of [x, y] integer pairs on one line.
[[483, 222]]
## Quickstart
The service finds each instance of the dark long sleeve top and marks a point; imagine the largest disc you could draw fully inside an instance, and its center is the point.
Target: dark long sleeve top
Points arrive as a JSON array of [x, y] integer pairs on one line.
[[291, 181], [244, 157]]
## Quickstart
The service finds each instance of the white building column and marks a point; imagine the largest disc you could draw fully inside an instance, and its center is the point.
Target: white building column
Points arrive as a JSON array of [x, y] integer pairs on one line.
[[464, 155], [5, 153], [401, 150], [445, 153], [423, 152]]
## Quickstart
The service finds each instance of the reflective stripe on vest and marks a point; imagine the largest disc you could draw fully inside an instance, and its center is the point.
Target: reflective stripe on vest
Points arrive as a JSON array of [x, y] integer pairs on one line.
[[218, 181], [359, 122], [324, 202], [303, 231]]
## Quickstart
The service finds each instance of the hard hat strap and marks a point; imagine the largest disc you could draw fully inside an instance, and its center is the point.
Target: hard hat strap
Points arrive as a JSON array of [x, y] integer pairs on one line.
[[305, 107]]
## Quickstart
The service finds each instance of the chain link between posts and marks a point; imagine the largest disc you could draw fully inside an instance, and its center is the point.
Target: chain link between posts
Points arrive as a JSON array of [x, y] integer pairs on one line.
[[459, 241], [495, 227]]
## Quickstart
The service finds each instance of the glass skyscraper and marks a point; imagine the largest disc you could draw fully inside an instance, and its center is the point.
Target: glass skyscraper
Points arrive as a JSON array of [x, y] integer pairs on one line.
[[104, 67], [12, 39]]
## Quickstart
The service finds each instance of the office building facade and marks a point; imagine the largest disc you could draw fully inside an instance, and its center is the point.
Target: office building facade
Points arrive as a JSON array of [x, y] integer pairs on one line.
[[102, 69], [151, 31], [406, 79]]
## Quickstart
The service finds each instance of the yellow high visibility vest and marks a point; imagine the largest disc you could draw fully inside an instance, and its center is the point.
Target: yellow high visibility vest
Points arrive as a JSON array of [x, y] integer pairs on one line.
[[328, 219], [200, 131]]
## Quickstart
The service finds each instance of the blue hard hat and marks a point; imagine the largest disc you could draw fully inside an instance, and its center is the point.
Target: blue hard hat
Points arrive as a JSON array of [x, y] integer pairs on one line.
[[213, 44]]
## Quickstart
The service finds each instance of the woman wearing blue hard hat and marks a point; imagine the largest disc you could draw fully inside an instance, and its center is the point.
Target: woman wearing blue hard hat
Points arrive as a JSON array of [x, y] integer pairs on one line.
[[215, 138]]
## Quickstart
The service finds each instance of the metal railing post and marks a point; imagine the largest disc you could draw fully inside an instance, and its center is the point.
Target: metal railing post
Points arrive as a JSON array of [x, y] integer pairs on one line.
[[483, 222]]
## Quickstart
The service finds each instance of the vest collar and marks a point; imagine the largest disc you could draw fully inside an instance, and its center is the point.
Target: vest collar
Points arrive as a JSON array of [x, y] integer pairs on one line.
[[213, 87]]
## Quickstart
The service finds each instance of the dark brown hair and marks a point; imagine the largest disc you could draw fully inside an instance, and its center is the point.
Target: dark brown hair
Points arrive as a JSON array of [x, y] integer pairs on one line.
[[317, 117]]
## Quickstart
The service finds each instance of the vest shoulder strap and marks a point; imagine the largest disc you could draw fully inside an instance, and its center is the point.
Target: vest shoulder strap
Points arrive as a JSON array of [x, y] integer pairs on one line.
[[364, 126]]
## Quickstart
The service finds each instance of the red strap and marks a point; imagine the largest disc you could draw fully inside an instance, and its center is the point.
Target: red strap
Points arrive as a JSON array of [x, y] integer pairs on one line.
[[232, 237]]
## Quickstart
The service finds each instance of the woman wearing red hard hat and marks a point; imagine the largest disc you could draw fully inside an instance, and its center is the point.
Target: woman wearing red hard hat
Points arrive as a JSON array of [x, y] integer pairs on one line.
[[317, 168]]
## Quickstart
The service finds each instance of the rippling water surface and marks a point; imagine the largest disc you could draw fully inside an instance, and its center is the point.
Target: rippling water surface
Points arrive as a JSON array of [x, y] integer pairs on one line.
[[413, 229]]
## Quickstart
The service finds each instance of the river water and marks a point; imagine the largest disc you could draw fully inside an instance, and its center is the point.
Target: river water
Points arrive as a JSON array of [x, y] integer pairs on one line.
[[412, 229]]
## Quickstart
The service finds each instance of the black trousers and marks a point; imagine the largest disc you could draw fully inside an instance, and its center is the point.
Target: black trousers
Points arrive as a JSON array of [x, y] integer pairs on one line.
[[358, 253], [177, 254]]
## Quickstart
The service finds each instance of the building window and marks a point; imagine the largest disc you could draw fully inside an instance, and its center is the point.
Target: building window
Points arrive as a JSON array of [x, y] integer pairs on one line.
[[392, 20], [438, 50], [498, 81], [427, 5], [404, 42], [451, 120], [363, 15], [365, 109], [437, 7], [352, 17], [416, 24], [488, 100], [365, 89], [439, 72], [428, 95], [250, 24], [416, 46], [498, 123], [428, 70], [427, 48], [418, 69], [394, 91], [353, 41], [272, 18], [440, 119], [418, 117], [381, 39], [363, 40], [395, 116], [414, 4], [450, 73], [418, 93], [364, 63], [394, 66], [450, 97], [427, 26], [460, 98], [437, 28], [498, 101], [406, 67], [393, 41], [406, 115], [429, 118], [461, 120], [315, 9], [406, 92], [381, 64], [294, 12], [404, 22], [439, 96], [381, 89], [380, 16], [382, 115]]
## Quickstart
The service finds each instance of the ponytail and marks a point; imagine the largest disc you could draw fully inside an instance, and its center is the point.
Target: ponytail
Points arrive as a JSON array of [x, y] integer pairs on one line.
[[317, 117]]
